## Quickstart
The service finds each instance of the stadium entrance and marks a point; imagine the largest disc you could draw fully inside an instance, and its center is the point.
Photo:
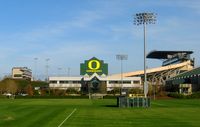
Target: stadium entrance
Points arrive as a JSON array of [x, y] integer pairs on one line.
[[93, 85]]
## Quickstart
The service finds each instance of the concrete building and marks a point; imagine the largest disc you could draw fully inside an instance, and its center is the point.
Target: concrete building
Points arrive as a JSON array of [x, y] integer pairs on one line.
[[94, 76], [95, 81], [21, 73]]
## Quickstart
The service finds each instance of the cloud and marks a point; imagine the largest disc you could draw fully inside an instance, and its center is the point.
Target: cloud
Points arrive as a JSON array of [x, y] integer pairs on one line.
[[194, 5], [103, 30]]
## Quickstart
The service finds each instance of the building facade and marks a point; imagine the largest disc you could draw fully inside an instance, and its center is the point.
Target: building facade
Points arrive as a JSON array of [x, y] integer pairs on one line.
[[94, 77], [98, 83], [21, 73]]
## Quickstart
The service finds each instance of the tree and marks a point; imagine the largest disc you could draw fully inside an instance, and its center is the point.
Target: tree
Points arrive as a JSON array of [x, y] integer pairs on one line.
[[116, 90], [58, 92], [2, 87], [71, 91], [103, 88], [11, 87], [136, 91], [29, 90]]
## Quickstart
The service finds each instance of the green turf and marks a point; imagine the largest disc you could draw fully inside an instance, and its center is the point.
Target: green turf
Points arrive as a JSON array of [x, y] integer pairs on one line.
[[97, 113]]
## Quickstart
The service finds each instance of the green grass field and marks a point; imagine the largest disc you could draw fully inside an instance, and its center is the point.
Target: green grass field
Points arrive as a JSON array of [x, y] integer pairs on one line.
[[97, 113]]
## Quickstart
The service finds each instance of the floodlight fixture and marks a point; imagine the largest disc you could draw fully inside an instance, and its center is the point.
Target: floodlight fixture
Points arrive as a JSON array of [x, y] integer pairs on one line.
[[145, 18]]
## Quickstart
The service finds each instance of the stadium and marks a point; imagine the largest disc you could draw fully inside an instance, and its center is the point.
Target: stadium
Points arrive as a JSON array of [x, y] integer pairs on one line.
[[178, 75], [94, 75], [177, 65], [59, 63]]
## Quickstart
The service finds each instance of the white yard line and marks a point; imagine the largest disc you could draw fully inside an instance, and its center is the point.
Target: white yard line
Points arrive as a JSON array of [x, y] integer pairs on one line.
[[67, 117]]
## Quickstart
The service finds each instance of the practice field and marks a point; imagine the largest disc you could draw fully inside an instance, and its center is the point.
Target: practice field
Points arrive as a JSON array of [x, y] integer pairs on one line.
[[97, 113]]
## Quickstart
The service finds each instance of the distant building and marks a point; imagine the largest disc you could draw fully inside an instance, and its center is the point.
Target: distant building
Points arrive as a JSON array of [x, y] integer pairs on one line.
[[21, 73]]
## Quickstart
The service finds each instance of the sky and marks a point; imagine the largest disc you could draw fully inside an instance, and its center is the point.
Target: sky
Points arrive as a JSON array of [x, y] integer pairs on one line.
[[67, 32]]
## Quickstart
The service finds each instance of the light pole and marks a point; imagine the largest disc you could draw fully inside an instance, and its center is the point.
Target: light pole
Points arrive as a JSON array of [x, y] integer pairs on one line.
[[59, 73], [68, 71], [144, 19], [121, 57], [35, 64], [47, 67]]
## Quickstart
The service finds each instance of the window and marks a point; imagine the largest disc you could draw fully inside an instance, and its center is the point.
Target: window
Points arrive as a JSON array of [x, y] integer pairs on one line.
[[53, 82], [126, 82], [76, 82], [113, 82], [136, 82], [17, 75], [64, 82], [120, 82]]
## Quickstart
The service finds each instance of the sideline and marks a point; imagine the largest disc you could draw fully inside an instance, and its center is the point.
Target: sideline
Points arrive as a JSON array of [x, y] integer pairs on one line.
[[67, 117]]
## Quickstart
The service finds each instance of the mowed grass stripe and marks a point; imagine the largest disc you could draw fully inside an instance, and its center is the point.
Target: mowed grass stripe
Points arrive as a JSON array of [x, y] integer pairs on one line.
[[99, 113], [132, 117], [47, 117], [67, 118], [40, 117], [33, 115], [28, 117], [16, 113]]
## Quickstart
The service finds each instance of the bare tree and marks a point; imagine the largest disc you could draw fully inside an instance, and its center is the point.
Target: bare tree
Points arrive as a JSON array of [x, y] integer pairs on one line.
[[29, 90], [11, 87], [2, 87]]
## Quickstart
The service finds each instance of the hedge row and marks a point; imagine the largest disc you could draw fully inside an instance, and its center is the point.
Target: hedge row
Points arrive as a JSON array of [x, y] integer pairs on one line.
[[60, 97], [182, 96], [51, 97]]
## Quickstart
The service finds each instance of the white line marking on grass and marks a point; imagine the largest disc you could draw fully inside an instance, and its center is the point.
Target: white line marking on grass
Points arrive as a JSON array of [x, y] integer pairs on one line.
[[67, 117]]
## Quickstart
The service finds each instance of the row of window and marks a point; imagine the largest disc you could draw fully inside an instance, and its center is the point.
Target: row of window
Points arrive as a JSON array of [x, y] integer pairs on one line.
[[119, 82], [65, 82], [17, 75], [124, 82], [110, 82]]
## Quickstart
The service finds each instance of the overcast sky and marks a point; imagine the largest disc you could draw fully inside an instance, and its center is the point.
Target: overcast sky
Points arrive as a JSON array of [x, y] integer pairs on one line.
[[71, 31]]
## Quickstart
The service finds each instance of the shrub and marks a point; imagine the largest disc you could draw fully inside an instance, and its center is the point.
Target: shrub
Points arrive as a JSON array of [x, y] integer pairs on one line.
[[177, 95], [195, 95], [51, 97]]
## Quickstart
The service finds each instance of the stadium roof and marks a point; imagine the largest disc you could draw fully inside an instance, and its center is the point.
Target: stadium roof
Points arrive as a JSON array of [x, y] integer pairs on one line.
[[191, 76], [164, 54], [188, 74]]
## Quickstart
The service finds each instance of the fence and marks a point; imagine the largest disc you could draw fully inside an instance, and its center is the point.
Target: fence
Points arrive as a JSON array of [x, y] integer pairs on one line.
[[123, 101]]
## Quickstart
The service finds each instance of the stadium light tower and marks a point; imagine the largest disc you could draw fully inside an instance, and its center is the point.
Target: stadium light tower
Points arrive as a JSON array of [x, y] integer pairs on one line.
[[144, 19], [121, 57], [68, 71], [59, 71], [35, 64], [47, 67]]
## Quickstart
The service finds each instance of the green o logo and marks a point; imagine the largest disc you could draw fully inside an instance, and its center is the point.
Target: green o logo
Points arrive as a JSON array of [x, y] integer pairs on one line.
[[94, 62]]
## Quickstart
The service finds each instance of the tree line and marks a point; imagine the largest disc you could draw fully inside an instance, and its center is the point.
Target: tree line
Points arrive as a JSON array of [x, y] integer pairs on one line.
[[19, 86]]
